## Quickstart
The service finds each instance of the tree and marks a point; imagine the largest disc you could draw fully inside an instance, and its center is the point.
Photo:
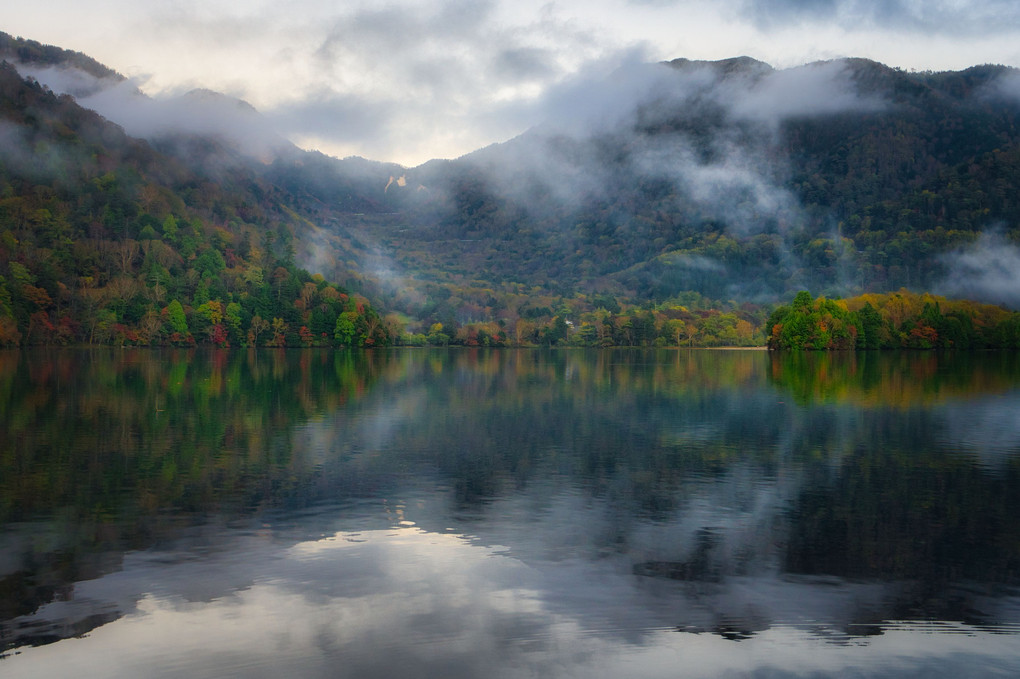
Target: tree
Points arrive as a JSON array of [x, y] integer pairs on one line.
[[869, 327], [676, 329], [802, 300], [9, 335], [279, 338], [151, 326], [280, 278], [257, 327], [211, 310], [345, 328], [170, 229], [175, 314], [307, 338]]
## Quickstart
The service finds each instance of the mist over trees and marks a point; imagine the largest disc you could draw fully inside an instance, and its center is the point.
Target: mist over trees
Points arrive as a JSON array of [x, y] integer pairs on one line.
[[104, 239]]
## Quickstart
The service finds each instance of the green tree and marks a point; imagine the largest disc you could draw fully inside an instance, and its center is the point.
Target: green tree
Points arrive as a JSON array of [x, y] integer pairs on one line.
[[175, 314], [346, 327], [869, 328]]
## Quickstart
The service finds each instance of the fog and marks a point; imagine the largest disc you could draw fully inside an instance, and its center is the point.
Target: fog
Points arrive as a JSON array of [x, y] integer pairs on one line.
[[711, 131], [39, 163], [195, 112], [987, 271]]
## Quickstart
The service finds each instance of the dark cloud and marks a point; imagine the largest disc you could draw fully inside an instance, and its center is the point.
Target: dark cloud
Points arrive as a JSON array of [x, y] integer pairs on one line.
[[476, 70], [607, 96], [433, 45], [786, 11]]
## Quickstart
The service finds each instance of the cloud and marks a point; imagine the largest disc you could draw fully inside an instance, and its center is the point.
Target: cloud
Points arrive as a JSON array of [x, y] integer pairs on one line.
[[949, 17], [614, 93], [19, 152], [985, 271], [196, 112], [407, 81], [1007, 86], [15, 146], [67, 80], [817, 89], [336, 117], [715, 126], [522, 64], [706, 132], [394, 78], [607, 94]]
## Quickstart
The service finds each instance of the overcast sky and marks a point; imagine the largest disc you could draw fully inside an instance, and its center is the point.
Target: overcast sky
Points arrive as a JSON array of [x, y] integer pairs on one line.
[[406, 81]]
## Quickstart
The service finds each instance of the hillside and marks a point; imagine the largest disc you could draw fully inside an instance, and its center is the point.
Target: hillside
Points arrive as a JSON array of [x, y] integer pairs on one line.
[[106, 238], [742, 182], [684, 189]]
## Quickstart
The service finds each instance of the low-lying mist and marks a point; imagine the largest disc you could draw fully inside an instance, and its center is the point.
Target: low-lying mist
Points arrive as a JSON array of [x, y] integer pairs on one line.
[[195, 112], [987, 271]]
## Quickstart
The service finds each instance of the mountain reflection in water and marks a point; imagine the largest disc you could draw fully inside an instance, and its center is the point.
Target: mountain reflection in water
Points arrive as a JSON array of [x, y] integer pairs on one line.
[[508, 513]]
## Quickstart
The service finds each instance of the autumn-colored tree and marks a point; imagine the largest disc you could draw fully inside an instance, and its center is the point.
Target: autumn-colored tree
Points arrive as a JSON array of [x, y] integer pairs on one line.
[[306, 335], [279, 338], [257, 327]]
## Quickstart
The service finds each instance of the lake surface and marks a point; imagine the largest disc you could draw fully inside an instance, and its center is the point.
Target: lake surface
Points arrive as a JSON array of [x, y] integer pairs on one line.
[[471, 513]]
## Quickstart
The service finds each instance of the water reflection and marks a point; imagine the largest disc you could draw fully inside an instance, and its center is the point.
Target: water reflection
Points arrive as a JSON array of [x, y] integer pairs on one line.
[[505, 513]]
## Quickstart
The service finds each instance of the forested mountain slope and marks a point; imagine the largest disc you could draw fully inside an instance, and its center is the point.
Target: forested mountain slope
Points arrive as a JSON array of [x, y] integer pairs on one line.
[[105, 238], [740, 181]]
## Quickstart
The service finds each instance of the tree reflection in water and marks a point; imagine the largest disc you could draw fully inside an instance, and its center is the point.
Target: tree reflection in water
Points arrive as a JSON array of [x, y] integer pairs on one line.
[[739, 493]]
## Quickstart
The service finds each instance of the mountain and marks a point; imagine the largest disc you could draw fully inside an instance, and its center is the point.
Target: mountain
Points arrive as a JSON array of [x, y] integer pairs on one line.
[[740, 181], [32, 53], [687, 183], [105, 237]]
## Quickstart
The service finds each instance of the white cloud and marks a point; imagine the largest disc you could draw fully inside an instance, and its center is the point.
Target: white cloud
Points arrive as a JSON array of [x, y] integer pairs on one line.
[[408, 81], [199, 111], [815, 89], [987, 271]]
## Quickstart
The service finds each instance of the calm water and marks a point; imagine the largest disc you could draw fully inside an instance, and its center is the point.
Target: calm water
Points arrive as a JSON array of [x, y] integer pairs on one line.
[[508, 514]]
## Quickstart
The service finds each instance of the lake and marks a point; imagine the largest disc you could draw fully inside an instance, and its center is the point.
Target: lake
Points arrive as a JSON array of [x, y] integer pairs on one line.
[[508, 513]]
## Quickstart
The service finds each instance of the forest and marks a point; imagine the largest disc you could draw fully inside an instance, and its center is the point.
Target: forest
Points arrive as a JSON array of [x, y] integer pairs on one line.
[[900, 320]]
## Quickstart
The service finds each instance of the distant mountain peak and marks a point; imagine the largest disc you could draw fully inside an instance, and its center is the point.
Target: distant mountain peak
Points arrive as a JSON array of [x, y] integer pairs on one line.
[[217, 98], [725, 67]]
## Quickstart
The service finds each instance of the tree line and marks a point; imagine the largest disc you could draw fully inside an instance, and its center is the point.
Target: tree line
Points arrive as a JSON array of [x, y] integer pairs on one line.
[[898, 320]]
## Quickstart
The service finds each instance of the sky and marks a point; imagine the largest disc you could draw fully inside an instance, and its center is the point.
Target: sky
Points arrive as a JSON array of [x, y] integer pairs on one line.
[[406, 81]]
